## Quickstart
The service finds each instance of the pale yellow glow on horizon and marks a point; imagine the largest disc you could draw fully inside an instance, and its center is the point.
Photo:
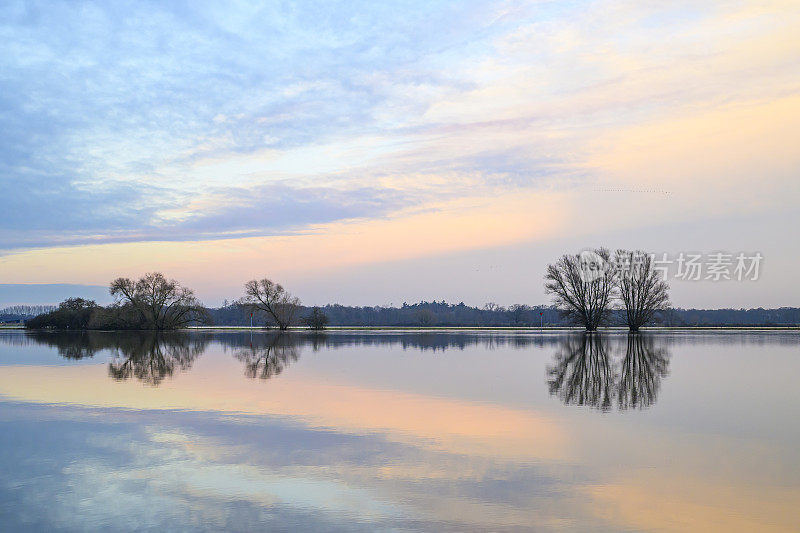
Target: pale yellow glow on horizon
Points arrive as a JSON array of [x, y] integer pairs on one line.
[[459, 225]]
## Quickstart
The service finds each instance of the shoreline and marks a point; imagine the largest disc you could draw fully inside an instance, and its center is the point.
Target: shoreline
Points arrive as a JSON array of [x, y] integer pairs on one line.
[[520, 329]]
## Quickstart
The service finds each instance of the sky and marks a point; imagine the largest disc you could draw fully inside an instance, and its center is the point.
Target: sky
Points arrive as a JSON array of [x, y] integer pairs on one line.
[[373, 153]]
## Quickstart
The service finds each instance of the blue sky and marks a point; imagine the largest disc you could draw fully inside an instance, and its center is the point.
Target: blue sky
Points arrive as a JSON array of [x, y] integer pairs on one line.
[[351, 136], [107, 106]]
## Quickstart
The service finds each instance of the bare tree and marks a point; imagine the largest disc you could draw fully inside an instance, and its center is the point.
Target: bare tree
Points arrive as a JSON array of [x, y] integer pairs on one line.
[[316, 319], [642, 290], [272, 299], [156, 302], [583, 287]]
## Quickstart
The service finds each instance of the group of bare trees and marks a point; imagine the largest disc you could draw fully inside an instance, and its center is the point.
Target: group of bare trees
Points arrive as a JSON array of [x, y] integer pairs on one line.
[[166, 304], [154, 302], [151, 302], [586, 287]]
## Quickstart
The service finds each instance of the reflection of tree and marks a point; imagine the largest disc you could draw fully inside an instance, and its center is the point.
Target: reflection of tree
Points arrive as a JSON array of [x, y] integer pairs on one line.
[[70, 344], [149, 356], [411, 340], [583, 374], [640, 372], [267, 355], [152, 356]]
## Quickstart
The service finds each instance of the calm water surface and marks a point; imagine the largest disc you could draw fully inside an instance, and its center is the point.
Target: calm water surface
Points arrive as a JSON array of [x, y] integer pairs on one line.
[[399, 431]]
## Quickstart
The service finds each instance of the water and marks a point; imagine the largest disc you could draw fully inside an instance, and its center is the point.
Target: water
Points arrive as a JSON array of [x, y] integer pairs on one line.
[[399, 431]]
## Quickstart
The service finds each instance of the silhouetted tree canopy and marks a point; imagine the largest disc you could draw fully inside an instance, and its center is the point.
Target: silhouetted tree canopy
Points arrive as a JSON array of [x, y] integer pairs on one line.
[[642, 290], [151, 302], [273, 300], [583, 287], [72, 313], [155, 302]]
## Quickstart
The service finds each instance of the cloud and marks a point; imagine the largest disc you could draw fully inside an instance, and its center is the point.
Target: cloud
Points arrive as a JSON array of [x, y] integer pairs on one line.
[[187, 123], [222, 213], [107, 109]]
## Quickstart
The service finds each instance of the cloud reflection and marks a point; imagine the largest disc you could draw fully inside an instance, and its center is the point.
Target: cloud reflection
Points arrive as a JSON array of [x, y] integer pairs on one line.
[[337, 451]]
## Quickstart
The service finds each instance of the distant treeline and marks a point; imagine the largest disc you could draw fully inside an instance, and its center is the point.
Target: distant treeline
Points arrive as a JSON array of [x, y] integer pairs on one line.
[[445, 314], [417, 314], [783, 316], [20, 313], [461, 315]]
